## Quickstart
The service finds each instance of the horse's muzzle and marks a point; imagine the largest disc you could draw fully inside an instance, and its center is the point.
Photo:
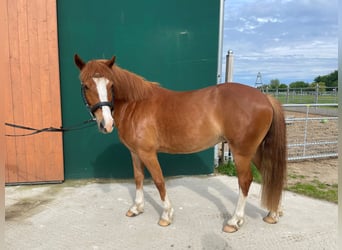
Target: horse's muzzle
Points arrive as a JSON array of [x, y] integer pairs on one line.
[[106, 127]]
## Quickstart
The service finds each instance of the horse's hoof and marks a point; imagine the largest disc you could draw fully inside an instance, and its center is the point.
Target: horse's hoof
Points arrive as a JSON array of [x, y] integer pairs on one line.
[[130, 214], [230, 228], [164, 223], [270, 220]]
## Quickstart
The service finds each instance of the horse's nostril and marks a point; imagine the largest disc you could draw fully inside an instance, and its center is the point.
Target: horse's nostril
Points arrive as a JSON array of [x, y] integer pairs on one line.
[[102, 126]]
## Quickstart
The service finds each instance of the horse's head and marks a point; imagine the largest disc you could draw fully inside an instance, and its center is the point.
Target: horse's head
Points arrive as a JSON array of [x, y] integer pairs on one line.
[[97, 90]]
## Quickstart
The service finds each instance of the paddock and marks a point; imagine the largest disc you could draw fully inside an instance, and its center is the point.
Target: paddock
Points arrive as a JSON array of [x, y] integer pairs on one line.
[[312, 131], [90, 214]]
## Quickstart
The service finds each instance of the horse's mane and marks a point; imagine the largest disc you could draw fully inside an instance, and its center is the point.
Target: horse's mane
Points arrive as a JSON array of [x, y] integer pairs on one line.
[[130, 86], [127, 85]]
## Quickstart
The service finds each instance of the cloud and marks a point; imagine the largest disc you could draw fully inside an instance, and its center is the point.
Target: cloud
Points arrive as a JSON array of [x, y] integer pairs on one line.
[[289, 40]]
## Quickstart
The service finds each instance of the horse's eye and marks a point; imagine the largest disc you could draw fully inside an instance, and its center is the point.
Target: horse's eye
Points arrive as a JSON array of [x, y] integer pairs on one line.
[[85, 87]]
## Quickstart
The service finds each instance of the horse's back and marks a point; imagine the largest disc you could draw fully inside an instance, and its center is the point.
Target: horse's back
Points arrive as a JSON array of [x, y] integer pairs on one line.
[[242, 95]]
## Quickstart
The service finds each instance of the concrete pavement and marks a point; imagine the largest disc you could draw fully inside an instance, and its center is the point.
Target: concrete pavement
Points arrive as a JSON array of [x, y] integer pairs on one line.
[[90, 214]]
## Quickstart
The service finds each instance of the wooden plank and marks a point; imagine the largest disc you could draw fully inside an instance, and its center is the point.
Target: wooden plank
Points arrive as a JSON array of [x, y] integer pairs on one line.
[[5, 80], [36, 169], [57, 170], [53, 61], [45, 84], [11, 160], [16, 171], [26, 85]]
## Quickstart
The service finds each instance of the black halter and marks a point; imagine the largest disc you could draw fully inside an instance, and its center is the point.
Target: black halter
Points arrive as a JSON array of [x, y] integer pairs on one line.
[[98, 105]]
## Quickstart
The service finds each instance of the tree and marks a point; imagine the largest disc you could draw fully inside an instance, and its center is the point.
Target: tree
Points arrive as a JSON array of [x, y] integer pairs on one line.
[[321, 86], [299, 84], [330, 80], [274, 84]]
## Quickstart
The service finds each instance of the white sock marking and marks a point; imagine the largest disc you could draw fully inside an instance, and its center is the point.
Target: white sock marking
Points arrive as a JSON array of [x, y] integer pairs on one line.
[[239, 214], [139, 196], [168, 210], [138, 206], [240, 207]]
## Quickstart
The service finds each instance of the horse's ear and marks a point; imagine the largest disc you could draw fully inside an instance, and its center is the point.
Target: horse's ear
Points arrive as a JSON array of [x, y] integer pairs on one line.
[[111, 62], [79, 62]]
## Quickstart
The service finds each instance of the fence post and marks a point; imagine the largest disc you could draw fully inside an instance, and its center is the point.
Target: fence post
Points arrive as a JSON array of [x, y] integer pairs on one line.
[[228, 78], [229, 66], [287, 94], [316, 93], [306, 128]]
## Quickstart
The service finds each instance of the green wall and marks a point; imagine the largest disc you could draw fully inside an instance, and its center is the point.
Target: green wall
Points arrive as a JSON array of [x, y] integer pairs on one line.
[[174, 43]]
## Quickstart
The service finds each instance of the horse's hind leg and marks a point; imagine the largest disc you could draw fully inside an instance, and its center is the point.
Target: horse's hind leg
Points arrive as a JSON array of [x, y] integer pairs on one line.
[[151, 162], [245, 178], [138, 206]]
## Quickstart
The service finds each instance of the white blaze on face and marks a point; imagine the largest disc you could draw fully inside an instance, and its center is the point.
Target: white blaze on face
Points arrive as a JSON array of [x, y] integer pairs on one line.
[[101, 85]]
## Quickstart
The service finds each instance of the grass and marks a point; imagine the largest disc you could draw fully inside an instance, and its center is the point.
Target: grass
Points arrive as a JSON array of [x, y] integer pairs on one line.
[[230, 170], [296, 177], [307, 99], [314, 189]]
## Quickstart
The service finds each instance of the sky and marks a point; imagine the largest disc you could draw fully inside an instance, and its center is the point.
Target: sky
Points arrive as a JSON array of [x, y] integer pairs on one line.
[[289, 40]]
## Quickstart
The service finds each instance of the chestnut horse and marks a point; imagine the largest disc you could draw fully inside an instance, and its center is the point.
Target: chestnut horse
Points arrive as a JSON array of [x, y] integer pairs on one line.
[[151, 119]]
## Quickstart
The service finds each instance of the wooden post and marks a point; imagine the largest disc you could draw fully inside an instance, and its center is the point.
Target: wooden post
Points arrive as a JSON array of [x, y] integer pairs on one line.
[[229, 66], [228, 78]]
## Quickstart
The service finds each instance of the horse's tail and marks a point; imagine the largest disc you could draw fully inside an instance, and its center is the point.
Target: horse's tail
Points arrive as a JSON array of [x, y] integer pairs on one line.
[[273, 154]]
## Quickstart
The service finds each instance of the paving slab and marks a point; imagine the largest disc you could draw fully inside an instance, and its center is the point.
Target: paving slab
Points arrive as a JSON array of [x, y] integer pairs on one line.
[[90, 214]]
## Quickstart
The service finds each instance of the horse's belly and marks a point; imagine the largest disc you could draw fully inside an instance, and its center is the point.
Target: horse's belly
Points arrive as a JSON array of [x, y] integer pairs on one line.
[[189, 135], [188, 144]]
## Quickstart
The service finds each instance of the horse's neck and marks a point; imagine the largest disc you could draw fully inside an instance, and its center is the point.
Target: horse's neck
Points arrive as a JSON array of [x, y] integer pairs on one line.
[[130, 87]]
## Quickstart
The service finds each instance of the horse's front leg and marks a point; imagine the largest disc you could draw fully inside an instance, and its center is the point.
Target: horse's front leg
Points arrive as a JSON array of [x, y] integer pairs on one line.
[[138, 206], [151, 162], [167, 215]]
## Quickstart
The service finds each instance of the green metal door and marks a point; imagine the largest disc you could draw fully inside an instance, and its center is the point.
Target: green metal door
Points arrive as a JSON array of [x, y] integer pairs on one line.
[[174, 43]]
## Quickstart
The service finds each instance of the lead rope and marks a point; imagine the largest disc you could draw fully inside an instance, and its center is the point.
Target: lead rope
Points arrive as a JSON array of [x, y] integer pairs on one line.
[[80, 126]]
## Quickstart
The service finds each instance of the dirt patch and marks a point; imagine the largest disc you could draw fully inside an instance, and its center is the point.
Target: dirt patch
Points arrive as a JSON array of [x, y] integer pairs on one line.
[[26, 201], [312, 138], [323, 170], [306, 171]]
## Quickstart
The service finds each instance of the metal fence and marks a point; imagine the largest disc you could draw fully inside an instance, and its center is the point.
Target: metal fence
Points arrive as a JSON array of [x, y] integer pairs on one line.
[[304, 95], [312, 131]]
